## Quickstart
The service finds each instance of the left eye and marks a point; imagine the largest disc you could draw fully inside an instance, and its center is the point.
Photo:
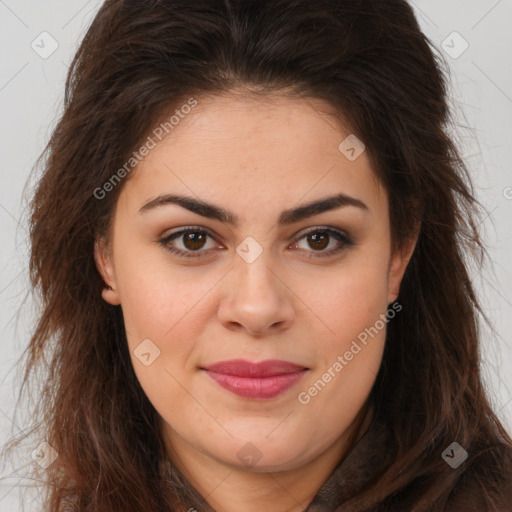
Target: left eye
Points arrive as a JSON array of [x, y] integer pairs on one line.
[[320, 238], [194, 240]]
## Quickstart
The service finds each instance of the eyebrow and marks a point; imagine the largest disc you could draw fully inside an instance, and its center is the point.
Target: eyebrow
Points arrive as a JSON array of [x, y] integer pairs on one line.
[[286, 217]]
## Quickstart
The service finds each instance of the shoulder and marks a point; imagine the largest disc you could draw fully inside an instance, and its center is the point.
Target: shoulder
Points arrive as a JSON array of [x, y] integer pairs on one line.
[[486, 485]]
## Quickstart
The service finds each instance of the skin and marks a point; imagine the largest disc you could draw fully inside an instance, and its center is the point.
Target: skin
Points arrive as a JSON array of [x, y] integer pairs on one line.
[[256, 158]]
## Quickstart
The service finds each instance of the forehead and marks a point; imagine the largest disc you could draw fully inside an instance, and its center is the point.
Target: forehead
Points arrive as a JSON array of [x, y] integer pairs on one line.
[[272, 149]]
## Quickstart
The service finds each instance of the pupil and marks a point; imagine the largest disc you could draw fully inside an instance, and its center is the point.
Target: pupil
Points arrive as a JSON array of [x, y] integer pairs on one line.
[[323, 242], [194, 240]]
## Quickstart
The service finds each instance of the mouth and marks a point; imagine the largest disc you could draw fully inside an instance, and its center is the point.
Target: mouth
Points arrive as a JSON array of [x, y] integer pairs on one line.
[[263, 380]]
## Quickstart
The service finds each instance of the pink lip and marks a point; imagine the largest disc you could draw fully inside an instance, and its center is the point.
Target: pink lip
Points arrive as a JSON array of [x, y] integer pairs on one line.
[[266, 379]]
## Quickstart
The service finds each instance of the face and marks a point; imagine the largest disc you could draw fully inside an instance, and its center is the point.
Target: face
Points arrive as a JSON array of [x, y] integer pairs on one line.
[[254, 277]]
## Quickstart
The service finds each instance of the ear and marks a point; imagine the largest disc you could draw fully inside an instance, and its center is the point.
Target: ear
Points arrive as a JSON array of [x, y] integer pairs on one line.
[[103, 260], [399, 261]]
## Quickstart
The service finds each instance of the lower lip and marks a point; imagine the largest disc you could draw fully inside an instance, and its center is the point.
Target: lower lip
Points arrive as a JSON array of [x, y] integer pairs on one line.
[[257, 388]]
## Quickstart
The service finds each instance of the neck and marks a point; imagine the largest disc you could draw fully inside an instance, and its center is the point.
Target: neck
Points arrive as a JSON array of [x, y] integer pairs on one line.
[[214, 486]]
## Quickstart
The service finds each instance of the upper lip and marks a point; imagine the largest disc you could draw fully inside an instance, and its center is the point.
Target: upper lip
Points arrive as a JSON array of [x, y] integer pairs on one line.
[[243, 368]]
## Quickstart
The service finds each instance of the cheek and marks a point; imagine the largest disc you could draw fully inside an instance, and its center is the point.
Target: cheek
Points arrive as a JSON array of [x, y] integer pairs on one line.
[[349, 352], [166, 309], [159, 300], [169, 308], [348, 301]]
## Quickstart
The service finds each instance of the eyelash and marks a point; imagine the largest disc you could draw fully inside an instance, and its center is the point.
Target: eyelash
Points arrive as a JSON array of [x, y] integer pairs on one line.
[[340, 236]]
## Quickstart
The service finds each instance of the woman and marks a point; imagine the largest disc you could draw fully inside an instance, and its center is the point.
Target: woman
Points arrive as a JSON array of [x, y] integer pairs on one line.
[[250, 238]]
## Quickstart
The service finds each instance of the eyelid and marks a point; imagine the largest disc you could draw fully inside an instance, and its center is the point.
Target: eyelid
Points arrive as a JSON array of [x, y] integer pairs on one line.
[[188, 228]]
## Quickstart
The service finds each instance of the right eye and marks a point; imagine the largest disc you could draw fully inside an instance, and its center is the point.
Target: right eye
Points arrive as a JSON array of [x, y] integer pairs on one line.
[[191, 239]]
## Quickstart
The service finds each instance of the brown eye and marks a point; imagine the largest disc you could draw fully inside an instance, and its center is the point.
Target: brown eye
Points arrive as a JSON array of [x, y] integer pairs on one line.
[[194, 240], [318, 239], [191, 242]]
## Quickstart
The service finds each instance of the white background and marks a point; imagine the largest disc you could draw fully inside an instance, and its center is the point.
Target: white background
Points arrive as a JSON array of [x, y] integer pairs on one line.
[[31, 94]]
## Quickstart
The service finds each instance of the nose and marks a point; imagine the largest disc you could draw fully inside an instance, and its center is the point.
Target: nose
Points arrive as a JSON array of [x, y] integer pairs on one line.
[[256, 299]]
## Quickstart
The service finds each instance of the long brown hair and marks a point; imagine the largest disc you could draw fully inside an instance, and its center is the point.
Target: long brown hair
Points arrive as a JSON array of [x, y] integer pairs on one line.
[[369, 59]]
